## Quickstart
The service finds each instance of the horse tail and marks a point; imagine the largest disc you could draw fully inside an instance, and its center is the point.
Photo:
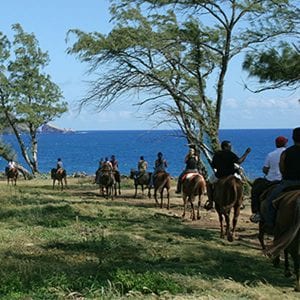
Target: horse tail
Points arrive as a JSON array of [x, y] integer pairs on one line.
[[164, 182], [287, 237], [231, 193]]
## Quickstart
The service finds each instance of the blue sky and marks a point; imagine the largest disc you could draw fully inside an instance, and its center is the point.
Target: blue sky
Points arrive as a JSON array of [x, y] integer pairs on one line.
[[50, 21]]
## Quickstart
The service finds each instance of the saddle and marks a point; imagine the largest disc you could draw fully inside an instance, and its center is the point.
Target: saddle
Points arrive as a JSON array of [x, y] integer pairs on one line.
[[189, 175], [60, 171]]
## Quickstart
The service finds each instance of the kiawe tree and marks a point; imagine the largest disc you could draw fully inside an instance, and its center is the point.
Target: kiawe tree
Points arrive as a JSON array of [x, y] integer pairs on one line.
[[28, 97], [175, 54]]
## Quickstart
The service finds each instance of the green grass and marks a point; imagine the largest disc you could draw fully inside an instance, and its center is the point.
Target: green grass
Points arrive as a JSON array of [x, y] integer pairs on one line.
[[73, 244]]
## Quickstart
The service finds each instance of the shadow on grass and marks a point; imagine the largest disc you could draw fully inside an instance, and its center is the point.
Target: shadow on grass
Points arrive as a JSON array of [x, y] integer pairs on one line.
[[102, 259]]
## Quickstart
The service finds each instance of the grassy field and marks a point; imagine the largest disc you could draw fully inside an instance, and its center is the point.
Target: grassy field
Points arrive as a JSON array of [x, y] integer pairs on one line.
[[75, 244]]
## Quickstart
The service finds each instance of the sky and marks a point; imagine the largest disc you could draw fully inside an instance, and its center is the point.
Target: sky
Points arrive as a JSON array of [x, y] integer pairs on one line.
[[50, 22]]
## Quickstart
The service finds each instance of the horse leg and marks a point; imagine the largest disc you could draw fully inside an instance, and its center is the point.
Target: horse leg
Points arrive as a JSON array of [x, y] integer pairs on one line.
[[221, 224], [114, 187], [161, 197], [198, 208], [228, 231], [184, 198], [261, 235], [53, 184], [135, 190], [192, 208], [155, 197], [113, 191], [295, 256], [119, 187], [235, 219], [287, 271], [168, 198]]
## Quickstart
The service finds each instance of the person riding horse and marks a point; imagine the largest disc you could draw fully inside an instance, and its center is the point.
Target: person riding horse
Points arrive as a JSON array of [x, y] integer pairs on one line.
[[160, 165], [224, 163], [142, 167], [191, 161], [11, 165], [289, 165], [272, 177]]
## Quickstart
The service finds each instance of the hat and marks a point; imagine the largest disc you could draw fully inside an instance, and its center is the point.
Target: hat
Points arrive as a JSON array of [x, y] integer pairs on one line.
[[281, 141]]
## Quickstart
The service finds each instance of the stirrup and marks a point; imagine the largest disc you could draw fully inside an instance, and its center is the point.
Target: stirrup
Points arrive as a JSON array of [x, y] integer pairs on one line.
[[255, 218], [208, 205]]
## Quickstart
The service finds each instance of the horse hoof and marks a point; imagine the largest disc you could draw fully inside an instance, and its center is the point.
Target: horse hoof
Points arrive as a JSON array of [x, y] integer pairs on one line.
[[230, 238]]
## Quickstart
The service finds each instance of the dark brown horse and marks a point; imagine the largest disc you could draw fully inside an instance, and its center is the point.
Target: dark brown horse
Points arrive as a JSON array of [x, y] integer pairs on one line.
[[263, 230], [228, 194], [162, 181], [193, 184], [287, 230], [140, 179], [60, 175], [12, 175]]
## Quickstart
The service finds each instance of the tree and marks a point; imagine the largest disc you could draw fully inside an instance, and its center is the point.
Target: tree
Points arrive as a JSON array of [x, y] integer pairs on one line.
[[175, 54], [27, 95], [277, 66]]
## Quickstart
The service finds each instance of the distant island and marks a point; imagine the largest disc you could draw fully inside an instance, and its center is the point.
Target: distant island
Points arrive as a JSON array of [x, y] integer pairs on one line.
[[50, 128]]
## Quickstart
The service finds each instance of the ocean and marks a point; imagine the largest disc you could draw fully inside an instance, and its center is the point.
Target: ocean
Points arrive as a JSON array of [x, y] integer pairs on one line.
[[82, 150]]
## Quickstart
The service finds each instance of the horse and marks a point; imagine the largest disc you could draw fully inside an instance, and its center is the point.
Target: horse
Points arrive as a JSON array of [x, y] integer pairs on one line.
[[140, 179], [60, 175], [106, 182], [12, 175], [117, 177], [262, 230], [193, 184], [228, 194], [162, 180], [287, 230]]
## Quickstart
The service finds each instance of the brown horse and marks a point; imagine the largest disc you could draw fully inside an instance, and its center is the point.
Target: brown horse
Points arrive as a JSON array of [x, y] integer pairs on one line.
[[193, 184], [60, 175], [228, 194], [12, 175], [287, 230], [162, 180], [140, 179], [117, 177], [106, 182]]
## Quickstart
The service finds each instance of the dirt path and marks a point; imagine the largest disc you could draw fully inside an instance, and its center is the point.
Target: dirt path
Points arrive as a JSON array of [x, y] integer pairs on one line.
[[246, 231]]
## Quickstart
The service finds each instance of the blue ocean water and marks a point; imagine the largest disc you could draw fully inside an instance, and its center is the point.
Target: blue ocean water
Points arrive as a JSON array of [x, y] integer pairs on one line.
[[82, 150]]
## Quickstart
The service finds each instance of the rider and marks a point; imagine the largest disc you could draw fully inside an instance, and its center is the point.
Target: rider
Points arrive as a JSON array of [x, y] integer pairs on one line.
[[272, 176], [98, 172], [114, 163], [142, 167], [289, 165], [59, 164], [159, 166], [191, 166], [224, 163], [10, 165]]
